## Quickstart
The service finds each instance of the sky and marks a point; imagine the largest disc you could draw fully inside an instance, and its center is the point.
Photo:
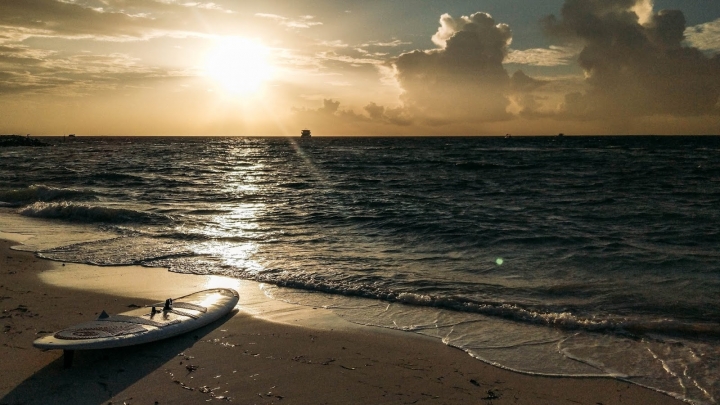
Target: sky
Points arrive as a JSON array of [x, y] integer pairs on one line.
[[339, 67]]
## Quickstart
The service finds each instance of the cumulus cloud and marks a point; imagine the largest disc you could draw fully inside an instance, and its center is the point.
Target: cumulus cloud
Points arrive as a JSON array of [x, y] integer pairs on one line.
[[524, 98], [393, 116], [329, 106], [462, 80], [705, 37], [636, 61], [523, 83], [331, 112]]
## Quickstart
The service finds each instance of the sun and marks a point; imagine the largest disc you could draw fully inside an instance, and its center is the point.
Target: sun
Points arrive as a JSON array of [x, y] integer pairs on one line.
[[238, 65]]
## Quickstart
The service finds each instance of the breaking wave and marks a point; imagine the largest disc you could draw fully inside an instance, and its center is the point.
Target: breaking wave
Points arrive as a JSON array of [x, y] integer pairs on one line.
[[39, 192], [86, 213]]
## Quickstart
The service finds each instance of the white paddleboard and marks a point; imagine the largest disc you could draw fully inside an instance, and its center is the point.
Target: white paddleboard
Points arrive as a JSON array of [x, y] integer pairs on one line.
[[143, 325]]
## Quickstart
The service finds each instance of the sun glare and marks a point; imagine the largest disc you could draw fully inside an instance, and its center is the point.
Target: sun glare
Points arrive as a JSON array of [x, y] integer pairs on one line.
[[238, 65]]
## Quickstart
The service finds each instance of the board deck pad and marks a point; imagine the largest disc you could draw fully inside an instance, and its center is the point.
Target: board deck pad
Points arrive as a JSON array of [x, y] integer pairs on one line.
[[94, 330], [146, 324]]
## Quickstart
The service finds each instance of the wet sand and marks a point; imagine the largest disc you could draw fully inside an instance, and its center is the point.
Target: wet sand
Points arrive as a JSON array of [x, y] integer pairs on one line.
[[266, 352]]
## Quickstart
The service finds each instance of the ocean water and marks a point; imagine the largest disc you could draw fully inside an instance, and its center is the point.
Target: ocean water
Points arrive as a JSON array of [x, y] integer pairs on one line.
[[577, 256]]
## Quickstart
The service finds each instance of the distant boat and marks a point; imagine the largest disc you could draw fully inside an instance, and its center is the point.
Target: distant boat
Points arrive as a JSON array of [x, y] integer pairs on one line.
[[305, 133], [560, 135], [71, 136]]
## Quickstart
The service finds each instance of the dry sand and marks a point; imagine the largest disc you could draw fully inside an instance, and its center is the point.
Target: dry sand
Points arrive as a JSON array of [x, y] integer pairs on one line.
[[264, 353]]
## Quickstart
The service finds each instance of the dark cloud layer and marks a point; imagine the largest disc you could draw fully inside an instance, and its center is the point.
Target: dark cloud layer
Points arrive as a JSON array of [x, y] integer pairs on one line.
[[123, 20], [25, 70], [463, 80], [31, 70], [634, 67], [60, 18]]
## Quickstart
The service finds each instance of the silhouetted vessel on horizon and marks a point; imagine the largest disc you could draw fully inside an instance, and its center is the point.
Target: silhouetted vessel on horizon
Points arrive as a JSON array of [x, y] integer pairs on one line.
[[305, 133]]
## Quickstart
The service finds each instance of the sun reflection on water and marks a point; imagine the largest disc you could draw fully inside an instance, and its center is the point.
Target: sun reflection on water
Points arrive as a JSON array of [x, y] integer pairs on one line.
[[233, 232]]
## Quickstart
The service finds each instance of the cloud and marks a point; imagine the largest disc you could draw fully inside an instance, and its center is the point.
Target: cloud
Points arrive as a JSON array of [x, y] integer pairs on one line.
[[342, 54], [109, 20], [329, 106], [375, 114], [462, 80], [330, 112], [56, 18], [72, 72], [520, 82], [30, 70], [635, 61], [392, 44], [334, 44], [393, 116], [705, 37], [355, 57], [207, 6], [552, 56], [305, 21]]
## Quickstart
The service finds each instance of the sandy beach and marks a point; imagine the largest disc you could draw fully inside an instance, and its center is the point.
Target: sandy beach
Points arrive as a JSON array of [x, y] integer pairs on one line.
[[263, 353]]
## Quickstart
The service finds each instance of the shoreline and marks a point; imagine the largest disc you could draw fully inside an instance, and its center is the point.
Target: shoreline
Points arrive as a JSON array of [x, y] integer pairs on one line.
[[266, 352]]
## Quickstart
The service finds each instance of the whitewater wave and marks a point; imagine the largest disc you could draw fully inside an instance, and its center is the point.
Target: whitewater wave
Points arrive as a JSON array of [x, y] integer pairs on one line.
[[121, 251], [563, 320], [39, 192], [610, 324], [76, 212]]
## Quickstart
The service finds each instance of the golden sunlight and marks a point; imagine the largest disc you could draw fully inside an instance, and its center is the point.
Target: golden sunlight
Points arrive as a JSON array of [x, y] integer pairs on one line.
[[238, 65]]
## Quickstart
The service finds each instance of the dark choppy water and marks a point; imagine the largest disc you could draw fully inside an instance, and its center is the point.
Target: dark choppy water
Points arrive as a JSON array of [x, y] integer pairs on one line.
[[572, 256]]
